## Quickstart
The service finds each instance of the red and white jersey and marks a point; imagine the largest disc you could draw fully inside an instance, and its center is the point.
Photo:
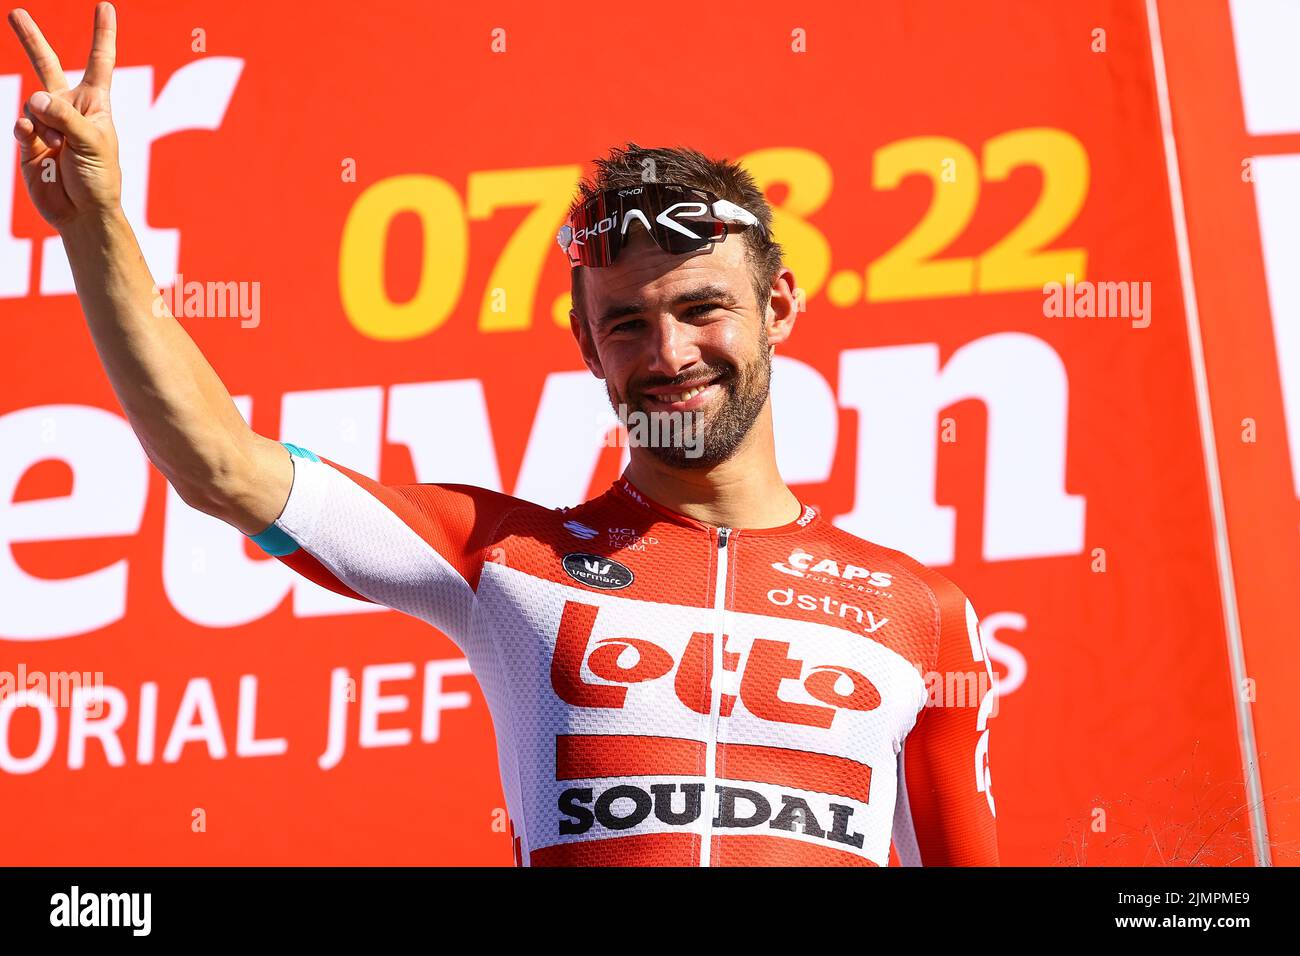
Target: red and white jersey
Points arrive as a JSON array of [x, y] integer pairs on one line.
[[665, 692]]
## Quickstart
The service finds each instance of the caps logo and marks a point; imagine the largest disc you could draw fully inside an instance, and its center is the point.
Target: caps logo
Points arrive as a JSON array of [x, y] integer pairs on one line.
[[803, 564]]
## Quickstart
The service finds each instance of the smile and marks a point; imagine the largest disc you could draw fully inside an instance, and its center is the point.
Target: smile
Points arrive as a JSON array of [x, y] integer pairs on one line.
[[684, 400]]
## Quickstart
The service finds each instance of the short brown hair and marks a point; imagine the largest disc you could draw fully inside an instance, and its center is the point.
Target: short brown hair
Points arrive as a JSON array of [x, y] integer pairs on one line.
[[633, 165]]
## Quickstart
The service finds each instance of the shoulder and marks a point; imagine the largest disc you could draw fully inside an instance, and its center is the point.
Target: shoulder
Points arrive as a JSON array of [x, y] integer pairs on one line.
[[443, 494], [879, 558], [496, 516], [910, 586], [490, 512]]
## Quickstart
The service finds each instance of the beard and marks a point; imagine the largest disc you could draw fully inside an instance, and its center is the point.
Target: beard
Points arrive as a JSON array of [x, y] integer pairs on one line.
[[707, 437]]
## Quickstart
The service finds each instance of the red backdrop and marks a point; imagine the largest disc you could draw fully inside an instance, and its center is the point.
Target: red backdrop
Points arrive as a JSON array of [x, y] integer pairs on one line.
[[391, 178]]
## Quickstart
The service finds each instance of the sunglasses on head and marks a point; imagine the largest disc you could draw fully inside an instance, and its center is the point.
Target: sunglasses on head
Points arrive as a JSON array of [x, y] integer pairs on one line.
[[679, 219]]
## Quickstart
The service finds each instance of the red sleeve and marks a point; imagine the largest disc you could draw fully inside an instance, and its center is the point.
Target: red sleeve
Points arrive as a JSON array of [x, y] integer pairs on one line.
[[416, 548], [945, 814]]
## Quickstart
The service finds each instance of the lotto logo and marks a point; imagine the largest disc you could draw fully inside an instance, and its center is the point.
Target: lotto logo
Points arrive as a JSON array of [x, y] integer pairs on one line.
[[767, 667]]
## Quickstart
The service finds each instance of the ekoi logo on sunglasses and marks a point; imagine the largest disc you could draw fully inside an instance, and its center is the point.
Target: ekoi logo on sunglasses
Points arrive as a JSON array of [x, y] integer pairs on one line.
[[767, 667], [666, 219]]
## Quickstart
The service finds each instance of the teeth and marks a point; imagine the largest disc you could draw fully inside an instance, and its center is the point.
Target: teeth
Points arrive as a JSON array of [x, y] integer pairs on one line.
[[684, 396]]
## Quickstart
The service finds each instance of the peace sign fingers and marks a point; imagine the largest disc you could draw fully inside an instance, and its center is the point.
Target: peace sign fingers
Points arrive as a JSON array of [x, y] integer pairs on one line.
[[74, 127], [103, 51], [38, 50]]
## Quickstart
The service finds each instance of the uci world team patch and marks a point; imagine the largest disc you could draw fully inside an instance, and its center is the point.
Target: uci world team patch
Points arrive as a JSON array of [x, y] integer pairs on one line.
[[597, 572]]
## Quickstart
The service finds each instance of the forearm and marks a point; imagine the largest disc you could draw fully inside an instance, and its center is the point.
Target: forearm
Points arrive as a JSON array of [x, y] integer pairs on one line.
[[179, 408]]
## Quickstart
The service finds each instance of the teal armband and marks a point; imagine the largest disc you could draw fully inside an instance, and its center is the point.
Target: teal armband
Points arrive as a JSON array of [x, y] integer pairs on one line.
[[273, 540]]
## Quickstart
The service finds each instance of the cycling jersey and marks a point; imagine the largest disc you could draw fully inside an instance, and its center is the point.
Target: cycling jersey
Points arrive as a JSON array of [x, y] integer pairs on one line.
[[596, 632]]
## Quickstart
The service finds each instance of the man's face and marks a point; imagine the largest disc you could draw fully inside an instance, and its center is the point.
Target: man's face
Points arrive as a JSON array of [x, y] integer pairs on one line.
[[683, 334]]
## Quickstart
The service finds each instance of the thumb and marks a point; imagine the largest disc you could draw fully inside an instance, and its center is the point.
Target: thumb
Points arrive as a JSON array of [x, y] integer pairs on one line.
[[60, 115], [25, 133]]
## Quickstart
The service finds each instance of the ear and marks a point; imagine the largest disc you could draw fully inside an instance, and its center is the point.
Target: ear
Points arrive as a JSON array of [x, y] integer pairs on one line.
[[784, 307], [590, 357]]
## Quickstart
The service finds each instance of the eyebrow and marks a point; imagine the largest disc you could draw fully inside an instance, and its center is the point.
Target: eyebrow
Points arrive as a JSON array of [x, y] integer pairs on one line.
[[704, 293]]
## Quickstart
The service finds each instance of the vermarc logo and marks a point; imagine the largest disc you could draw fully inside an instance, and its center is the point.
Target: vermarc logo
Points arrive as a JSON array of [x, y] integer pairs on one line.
[[597, 572]]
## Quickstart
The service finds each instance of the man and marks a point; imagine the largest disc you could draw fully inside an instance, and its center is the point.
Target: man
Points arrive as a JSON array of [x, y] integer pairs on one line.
[[694, 668]]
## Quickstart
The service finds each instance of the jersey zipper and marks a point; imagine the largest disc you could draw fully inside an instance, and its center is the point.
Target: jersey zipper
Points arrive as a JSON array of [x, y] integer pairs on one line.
[[715, 697]]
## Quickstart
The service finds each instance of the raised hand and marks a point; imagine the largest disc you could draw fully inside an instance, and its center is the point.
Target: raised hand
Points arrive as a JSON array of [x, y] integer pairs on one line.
[[66, 140]]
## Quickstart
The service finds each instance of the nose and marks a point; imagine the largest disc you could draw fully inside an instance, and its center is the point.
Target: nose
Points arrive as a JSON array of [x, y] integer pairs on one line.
[[673, 347]]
